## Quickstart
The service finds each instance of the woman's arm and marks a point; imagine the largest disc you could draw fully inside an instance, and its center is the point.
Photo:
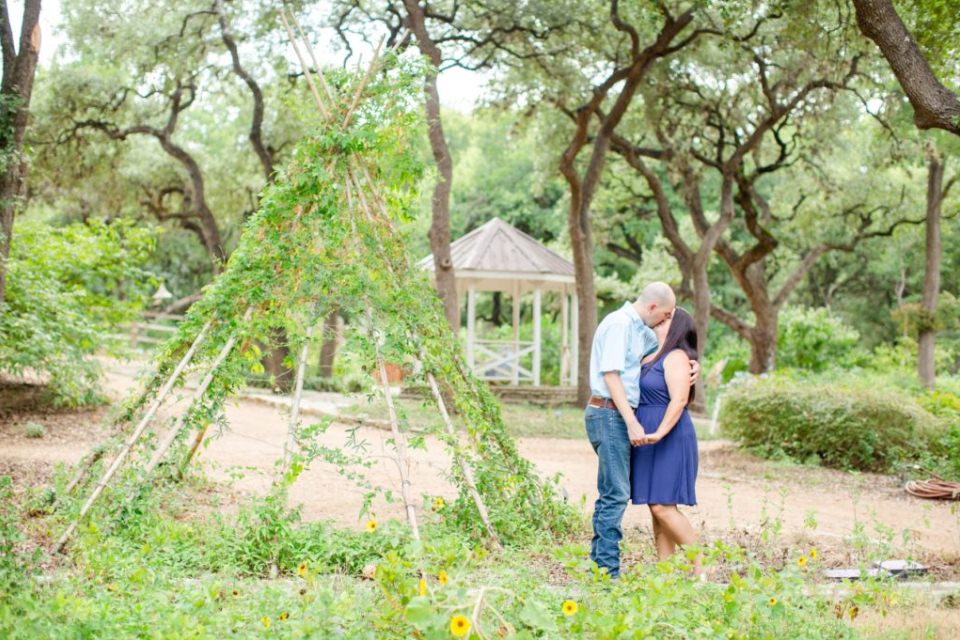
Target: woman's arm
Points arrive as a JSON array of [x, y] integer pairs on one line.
[[676, 372]]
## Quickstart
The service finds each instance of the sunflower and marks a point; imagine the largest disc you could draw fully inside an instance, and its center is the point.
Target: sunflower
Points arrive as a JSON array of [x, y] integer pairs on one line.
[[284, 616], [442, 577], [802, 562], [371, 526], [569, 607], [854, 612], [459, 626], [265, 621], [772, 601], [423, 587], [813, 554], [438, 504], [302, 569]]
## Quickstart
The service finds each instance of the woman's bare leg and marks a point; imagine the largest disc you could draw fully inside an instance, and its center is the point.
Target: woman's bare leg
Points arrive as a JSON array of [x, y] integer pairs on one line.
[[666, 546], [677, 527]]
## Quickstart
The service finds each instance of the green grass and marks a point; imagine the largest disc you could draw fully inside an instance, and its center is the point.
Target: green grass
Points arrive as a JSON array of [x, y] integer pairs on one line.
[[523, 420]]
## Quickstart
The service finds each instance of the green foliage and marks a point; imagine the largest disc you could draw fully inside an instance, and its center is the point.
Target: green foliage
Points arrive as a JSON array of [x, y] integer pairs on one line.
[[34, 430], [815, 339], [68, 286], [839, 426]]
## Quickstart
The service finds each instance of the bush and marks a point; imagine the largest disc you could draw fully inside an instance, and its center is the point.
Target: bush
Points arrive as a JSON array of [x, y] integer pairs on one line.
[[67, 286], [34, 430], [840, 427], [815, 339]]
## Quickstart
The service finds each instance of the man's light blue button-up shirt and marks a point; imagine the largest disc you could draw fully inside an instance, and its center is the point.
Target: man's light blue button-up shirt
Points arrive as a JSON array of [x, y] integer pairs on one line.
[[622, 340]]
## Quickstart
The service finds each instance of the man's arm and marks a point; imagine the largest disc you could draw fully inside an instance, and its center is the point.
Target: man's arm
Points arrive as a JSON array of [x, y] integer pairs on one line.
[[619, 396]]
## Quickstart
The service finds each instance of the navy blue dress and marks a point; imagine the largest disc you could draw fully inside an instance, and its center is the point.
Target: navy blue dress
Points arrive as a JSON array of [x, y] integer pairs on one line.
[[665, 472]]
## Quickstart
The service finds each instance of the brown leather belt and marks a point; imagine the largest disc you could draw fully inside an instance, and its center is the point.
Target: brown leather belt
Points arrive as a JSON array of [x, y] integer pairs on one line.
[[601, 403]]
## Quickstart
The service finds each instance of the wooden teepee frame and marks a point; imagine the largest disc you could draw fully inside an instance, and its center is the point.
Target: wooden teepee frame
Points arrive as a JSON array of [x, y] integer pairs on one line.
[[371, 204]]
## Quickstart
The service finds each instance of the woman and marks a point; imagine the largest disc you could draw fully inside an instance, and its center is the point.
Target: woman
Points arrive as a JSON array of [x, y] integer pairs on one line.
[[663, 472]]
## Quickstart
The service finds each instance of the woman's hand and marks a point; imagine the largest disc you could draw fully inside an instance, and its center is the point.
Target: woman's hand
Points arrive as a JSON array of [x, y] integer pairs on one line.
[[655, 437]]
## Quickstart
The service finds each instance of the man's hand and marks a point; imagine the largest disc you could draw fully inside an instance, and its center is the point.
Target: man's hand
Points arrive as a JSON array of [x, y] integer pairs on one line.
[[635, 432], [694, 372]]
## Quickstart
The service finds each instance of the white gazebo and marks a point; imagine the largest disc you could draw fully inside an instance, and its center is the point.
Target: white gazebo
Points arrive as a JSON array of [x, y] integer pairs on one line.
[[500, 257]]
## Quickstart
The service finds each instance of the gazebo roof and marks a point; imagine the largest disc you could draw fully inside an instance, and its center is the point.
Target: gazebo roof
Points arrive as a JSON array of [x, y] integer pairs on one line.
[[499, 250]]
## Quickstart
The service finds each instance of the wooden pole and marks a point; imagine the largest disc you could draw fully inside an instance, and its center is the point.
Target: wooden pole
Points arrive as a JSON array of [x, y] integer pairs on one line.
[[564, 336], [91, 458], [537, 337], [461, 461], [516, 332], [400, 444], [171, 435], [575, 338], [134, 436], [471, 326], [294, 425]]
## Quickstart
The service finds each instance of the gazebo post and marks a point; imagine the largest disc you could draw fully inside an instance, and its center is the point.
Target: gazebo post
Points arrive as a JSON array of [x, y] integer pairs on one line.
[[575, 335], [564, 336], [471, 324], [516, 333], [537, 295]]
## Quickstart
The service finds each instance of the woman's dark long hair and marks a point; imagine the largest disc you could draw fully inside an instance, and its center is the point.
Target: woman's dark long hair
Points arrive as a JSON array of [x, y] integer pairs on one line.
[[682, 335]]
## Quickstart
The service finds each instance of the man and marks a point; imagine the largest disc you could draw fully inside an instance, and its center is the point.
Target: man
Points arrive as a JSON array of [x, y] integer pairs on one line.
[[623, 339]]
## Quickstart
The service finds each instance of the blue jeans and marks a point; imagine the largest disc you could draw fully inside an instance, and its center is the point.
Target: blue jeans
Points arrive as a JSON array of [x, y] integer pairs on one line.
[[608, 434]]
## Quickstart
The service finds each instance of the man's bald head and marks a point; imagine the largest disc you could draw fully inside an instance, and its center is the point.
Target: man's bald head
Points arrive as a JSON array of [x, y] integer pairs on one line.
[[656, 303]]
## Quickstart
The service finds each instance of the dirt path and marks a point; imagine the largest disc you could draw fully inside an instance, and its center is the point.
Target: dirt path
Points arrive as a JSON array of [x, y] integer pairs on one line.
[[737, 493]]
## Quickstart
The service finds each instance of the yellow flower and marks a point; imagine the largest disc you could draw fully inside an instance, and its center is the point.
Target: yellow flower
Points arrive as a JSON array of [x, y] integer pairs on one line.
[[371, 526], [235, 592], [773, 601], [423, 587], [302, 569], [459, 626], [813, 554], [265, 621], [442, 577], [854, 612], [284, 615], [438, 504], [569, 607], [802, 562]]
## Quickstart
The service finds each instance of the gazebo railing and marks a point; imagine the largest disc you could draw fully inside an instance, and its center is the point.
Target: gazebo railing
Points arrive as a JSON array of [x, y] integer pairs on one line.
[[500, 360]]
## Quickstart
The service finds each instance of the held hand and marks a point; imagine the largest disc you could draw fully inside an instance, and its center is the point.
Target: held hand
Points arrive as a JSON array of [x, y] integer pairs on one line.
[[694, 371], [654, 438], [635, 433]]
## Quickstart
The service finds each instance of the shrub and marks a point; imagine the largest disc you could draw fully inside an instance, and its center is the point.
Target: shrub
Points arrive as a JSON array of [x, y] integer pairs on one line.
[[34, 430], [815, 339], [67, 286], [841, 427]]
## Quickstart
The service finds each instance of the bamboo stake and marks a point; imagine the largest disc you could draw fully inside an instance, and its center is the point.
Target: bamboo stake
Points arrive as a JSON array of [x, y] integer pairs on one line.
[[293, 427], [98, 452], [399, 443], [134, 436], [171, 435], [316, 65], [193, 448], [303, 65], [363, 85], [461, 461]]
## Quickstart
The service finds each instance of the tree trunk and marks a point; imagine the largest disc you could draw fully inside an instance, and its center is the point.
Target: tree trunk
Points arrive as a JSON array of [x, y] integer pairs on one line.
[[578, 223], [763, 342], [933, 104], [931, 277], [440, 225], [328, 351], [19, 69]]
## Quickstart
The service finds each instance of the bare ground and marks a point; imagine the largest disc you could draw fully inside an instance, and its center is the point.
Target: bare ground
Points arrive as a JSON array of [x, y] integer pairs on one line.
[[738, 494]]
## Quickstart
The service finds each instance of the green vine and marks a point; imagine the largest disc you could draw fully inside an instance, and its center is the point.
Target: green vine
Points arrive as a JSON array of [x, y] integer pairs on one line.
[[330, 232]]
